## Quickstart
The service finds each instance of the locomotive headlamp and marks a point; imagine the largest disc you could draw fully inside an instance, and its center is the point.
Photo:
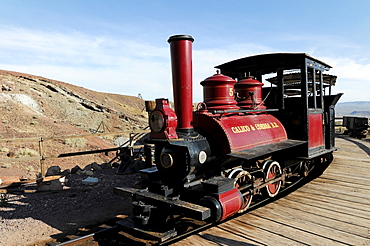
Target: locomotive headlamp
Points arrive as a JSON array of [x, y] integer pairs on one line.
[[166, 160], [163, 121], [156, 121]]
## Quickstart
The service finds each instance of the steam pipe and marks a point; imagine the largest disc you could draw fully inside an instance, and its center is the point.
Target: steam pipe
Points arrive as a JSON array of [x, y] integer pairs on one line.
[[182, 81]]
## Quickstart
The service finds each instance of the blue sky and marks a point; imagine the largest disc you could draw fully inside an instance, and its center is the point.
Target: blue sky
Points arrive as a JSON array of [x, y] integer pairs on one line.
[[121, 46]]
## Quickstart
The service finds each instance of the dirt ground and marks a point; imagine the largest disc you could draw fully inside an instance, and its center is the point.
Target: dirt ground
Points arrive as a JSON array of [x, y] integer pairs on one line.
[[38, 218], [37, 107]]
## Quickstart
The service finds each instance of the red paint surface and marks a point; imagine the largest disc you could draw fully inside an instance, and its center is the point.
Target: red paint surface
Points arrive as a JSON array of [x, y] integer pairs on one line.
[[231, 202], [249, 93], [315, 130], [241, 132], [218, 92], [170, 120], [181, 61]]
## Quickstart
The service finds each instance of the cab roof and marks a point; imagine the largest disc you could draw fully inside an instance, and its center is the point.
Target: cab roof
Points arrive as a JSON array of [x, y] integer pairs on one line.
[[270, 63]]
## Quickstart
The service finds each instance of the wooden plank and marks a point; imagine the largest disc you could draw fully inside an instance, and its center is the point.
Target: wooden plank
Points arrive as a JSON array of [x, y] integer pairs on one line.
[[343, 177], [344, 200], [348, 182], [344, 197], [342, 157], [348, 193], [341, 187], [32, 158], [225, 236], [279, 231], [351, 170], [356, 178], [255, 229], [345, 207], [12, 140], [195, 240], [328, 218], [349, 167], [301, 222]]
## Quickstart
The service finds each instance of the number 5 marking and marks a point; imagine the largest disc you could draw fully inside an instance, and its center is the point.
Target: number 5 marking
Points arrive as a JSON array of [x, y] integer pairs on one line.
[[231, 92]]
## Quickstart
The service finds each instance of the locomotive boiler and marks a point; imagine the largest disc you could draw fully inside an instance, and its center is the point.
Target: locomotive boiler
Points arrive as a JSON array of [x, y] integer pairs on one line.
[[243, 143]]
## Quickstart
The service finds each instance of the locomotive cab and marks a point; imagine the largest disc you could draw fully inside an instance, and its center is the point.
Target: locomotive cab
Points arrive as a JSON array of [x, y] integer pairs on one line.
[[301, 94]]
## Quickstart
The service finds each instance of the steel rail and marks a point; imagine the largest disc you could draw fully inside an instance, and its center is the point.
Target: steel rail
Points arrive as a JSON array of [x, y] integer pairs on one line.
[[90, 237], [253, 206]]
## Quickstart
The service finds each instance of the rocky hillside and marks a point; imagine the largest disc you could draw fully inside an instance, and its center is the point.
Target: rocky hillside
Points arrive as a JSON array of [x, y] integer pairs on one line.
[[33, 106]]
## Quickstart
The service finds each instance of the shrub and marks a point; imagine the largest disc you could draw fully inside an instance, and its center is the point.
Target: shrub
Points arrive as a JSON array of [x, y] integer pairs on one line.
[[75, 142], [30, 169], [7, 165], [26, 152]]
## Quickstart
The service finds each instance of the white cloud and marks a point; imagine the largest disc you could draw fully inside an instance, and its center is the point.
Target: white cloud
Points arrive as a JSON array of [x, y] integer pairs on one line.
[[353, 78], [98, 63], [126, 66]]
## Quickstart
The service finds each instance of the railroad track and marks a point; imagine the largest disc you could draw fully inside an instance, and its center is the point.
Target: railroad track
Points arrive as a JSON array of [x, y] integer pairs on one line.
[[114, 235]]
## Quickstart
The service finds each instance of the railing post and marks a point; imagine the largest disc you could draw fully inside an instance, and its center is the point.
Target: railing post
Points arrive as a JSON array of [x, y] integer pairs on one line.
[[42, 160]]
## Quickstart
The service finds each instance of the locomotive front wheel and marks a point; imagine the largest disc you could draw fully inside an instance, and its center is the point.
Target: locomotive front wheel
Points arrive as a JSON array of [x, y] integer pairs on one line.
[[242, 178], [272, 170]]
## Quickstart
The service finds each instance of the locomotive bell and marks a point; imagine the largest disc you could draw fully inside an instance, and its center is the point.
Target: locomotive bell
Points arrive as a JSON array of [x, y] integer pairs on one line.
[[218, 92], [249, 93]]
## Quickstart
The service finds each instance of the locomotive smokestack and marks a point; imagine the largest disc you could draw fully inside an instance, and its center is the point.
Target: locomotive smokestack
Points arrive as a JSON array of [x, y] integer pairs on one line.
[[182, 81]]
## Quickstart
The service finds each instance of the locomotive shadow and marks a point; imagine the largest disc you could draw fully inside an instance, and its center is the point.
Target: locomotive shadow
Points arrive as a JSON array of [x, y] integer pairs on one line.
[[260, 203], [225, 241], [60, 213]]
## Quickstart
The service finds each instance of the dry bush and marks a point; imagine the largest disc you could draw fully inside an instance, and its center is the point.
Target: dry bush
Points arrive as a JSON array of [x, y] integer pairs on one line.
[[75, 142], [4, 150], [6, 165], [26, 152]]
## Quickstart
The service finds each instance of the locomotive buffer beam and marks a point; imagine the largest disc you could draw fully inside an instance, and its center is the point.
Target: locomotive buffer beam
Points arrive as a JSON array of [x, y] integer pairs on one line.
[[270, 148], [140, 232], [189, 209]]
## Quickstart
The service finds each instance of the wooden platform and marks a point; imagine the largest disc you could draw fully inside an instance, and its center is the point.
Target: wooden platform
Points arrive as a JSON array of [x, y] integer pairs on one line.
[[333, 209]]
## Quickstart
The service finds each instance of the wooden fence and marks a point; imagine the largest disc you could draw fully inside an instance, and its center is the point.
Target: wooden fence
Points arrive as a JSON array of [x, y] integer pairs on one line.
[[41, 157]]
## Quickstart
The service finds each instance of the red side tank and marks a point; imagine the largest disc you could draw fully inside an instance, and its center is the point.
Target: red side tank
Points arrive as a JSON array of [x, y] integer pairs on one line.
[[218, 92], [249, 93], [233, 133]]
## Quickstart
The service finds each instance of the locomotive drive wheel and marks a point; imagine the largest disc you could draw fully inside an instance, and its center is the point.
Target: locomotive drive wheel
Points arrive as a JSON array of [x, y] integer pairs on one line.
[[242, 178], [272, 170], [305, 167]]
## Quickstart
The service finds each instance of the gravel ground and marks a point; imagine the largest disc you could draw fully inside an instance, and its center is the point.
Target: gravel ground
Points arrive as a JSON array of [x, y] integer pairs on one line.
[[41, 217]]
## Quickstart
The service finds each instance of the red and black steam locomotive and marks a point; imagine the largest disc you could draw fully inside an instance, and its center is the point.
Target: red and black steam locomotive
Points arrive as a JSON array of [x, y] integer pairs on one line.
[[243, 142]]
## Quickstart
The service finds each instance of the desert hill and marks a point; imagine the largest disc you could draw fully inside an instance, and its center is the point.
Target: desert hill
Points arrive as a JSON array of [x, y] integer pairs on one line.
[[358, 108], [33, 106]]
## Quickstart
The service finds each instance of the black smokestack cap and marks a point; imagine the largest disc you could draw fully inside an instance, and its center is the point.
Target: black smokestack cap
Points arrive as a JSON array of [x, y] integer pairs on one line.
[[180, 37]]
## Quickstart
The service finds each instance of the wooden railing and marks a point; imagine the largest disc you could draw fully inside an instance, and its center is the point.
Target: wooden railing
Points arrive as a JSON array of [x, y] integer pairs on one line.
[[41, 157]]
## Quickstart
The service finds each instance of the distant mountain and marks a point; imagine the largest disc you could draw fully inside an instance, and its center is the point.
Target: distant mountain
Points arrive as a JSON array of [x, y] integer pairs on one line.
[[358, 108]]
